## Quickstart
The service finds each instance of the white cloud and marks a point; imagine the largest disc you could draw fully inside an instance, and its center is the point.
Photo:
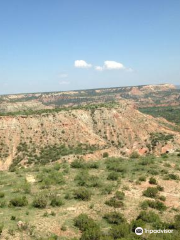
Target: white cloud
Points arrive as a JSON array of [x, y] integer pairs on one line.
[[63, 75], [99, 68], [64, 82], [113, 65], [82, 64]]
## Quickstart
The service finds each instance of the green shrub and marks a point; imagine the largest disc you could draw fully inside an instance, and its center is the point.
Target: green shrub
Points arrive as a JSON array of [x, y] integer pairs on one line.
[[113, 176], [2, 194], [82, 194], [50, 177], [144, 205], [114, 218], [162, 198], [107, 189], [113, 202], [134, 155], [120, 231], [18, 202], [63, 228], [148, 217], [105, 155], [120, 195], [13, 218], [150, 192], [156, 205], [173, 176], [86, 180], [57, 166], [83, 222], [78, 163], [152, 181], [91, 234], [146, 161], [56, 201], [94, 165], [115, 164], [153, 172], [82, 178], [40, 201], [142, 178], [137, 223], [160, 188]]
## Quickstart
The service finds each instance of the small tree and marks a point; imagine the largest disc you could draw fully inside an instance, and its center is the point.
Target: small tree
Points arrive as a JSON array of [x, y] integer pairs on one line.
[[114, 218], [82, 194], [40, 201], [152, 180], [150, 192]]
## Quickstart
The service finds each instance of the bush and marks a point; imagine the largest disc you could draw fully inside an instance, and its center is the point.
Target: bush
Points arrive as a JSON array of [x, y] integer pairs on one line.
[[108, 188], [113, 202], [162, 198], [134, 155], [144, 205], [120, 231], [113, 176], [56, 201], [83, 222], [57, 166], [150, 192], [105, 155], [82, 194], [148, 217], [51, 177], [173, 176], [13, 218], [153, 172], [115, 164], [78, 163], [63, 228], [2, 194], [18, 202], [94, 165], [152, 181], [160, 188], [155, 204], [91, 234], [40, 201], [137, 223], [84, 179], [142, 178], [114, 218], [120, 195]]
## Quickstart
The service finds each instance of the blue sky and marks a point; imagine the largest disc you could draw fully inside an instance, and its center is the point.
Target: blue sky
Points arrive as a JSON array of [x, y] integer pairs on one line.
[[118, 42]]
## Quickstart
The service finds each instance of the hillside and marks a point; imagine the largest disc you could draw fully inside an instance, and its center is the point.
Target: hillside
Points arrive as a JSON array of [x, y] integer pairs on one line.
[[142, 96], [118, 129]]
